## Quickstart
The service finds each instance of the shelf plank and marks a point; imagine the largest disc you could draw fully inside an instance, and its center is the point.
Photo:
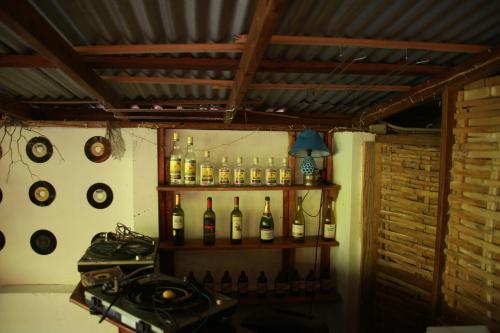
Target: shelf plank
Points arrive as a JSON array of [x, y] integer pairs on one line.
[[270, 298], [178, 188], [247, 244]]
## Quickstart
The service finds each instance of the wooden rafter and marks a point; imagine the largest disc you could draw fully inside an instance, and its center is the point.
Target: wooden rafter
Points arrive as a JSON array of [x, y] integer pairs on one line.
[[159, 48], [24, 20], [219, 84], [480, 66], [371, 43], [223, 64], [264, 21], [171, 102], [15, 109]]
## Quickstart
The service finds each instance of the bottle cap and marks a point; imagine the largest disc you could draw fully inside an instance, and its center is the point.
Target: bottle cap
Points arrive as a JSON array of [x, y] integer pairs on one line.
[[284, 160], [206, 153], [224, 159], [190, 140], [267, 199], [239, 160], [270, 160], [255, 160], [176, 136]]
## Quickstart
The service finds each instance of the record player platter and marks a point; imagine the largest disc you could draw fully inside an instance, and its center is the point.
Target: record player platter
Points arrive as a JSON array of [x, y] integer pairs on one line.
[[158, 303]]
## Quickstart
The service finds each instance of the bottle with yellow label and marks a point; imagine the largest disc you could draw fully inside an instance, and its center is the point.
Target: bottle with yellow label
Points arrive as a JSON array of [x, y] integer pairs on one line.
[[190, 163], [271, 173], [206, 171], [175, 162], [240, 174], [224, 172], [255, 173], [285, 173]]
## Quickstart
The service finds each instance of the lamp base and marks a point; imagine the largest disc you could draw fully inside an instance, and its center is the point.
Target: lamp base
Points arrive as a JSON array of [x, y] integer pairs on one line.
[[310, 179]]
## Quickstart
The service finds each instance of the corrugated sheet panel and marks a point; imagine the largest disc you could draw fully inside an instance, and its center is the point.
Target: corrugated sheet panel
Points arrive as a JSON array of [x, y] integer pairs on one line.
[[93, 22]]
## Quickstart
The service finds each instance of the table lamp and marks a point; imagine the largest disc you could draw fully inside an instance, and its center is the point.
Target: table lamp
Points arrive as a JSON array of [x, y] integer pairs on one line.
[[308, 145]]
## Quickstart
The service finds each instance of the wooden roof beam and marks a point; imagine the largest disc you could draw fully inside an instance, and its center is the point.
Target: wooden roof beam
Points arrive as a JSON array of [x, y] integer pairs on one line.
[[224, 64], [264, 22], [475, 68], [370, 43], [25, 21], [15, 109]]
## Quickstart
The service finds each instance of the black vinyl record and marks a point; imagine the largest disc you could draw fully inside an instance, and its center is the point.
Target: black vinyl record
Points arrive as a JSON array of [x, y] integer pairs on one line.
[[2, 241], [42, 193], [100, 195], [43, 242], [39, 149], [1, 195], [97, 149]]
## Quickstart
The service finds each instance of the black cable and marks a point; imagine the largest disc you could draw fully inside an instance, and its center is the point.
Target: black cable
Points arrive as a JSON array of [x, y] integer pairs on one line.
[[317, 244]]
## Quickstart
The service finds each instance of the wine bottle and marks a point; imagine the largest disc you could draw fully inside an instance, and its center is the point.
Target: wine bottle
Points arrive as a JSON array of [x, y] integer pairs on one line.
[[271, 173], [310, 283], [243, 284], [175, 162], [295, 283], [236, 222], [280, 285], [266, 226], [224, 172], [191, 279], [240, 174], [285, 173], [190, 163], [206, 170], [329, 222], [226, 285], [325, 282], [208, 282], [178, 222], [262, 285], [299, 224], [255, 173], [209, 224]]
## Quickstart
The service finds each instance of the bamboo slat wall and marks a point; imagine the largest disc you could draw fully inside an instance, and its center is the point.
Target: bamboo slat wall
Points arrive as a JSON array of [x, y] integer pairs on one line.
[[471, 282], [407, 213]]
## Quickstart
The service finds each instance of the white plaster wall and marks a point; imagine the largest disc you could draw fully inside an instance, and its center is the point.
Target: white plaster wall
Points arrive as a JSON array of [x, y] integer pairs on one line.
[[348, 172]]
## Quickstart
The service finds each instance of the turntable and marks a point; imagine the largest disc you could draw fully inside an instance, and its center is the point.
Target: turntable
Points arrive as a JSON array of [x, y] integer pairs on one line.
[[158, 303], [124, 248]]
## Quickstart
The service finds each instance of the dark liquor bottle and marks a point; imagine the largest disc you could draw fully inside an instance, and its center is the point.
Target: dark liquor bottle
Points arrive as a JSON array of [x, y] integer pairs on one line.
[[236, 220], [178, 222], [243, 285], [280, 285], [325, 282], [208, 282], [310, 283], [209, 224], [226, 284], [191, 279], [262, 285], [329, 222], [295, 283], [299, 224], [266, 227]]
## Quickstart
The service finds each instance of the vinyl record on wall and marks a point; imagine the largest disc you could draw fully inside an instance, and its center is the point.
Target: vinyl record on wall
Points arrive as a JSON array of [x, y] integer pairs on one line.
[[100, 195], [39, 149], [2, 241], [98, 149], [1, 195], [42, 193], [1, 152], [43, 242]]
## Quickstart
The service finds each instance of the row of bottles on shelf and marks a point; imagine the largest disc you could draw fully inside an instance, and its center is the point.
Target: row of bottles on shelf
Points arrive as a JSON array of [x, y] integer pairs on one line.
[[266, 225], [183, 167], [284, 284]]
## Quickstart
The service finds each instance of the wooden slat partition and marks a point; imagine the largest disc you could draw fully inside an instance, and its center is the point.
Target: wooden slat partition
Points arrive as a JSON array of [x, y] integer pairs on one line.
[[471, 281], [403, 235]]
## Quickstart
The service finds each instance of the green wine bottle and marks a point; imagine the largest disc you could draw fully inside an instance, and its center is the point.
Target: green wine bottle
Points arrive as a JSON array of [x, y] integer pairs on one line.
[[266, 227], [178, 222], [209, 224], [236, 220], [299, 224]]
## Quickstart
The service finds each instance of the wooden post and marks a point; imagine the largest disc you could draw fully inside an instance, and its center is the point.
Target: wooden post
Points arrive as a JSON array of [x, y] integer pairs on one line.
[[449, 99], [325, 250], [289, 203]]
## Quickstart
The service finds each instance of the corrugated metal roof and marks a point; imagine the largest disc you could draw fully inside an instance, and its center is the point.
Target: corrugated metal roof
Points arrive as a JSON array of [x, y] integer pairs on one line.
[[93, 22]]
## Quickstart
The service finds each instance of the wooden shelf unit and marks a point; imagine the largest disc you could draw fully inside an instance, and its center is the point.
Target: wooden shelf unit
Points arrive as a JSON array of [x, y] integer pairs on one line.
[[166, 196], [247, 244]]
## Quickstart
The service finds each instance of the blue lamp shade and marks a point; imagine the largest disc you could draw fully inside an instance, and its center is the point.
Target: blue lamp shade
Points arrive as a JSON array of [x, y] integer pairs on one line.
[[309, 143]]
